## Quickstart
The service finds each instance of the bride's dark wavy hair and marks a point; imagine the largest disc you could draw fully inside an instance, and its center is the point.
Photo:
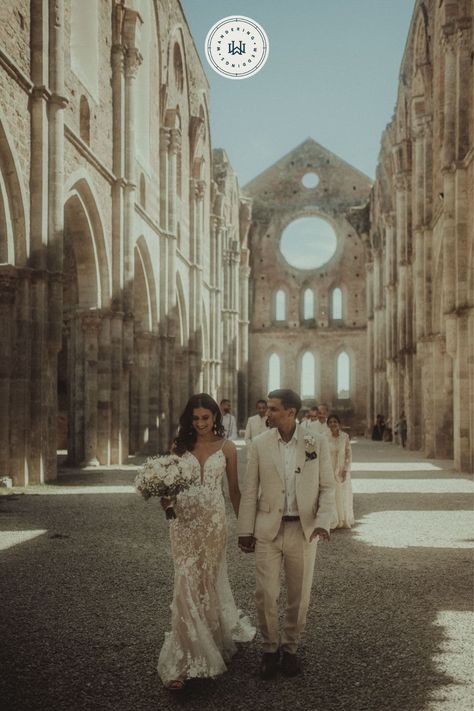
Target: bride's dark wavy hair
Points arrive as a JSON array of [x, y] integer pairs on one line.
[[187, 435]]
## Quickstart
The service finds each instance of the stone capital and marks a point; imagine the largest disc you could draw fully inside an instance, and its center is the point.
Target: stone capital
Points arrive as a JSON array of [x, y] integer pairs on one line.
[[199, 189], [132, 61], [174, 141]]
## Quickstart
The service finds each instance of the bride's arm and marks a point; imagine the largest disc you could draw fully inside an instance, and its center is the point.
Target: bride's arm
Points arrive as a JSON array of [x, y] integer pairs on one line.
[[230, 453]]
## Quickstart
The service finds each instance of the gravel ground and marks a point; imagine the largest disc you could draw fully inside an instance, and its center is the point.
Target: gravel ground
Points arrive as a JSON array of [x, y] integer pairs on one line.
[[85, 599]]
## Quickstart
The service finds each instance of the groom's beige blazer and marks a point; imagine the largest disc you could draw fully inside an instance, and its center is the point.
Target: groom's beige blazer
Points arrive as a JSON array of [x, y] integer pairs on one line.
[[263, 490]]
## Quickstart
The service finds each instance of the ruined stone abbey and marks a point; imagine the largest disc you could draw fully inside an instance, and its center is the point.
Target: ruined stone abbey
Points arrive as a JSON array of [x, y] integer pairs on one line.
[[134, 270]]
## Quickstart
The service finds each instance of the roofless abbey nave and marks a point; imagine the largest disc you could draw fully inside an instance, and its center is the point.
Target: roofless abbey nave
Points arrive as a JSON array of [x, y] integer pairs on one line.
[[132, 265]]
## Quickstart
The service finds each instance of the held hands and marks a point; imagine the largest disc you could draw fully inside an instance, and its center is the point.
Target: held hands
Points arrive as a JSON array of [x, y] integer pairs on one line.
[[320, 533], [166, 502], [247, 544]]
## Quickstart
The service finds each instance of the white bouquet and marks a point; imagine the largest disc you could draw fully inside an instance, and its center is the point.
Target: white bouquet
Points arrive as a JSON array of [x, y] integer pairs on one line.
[[166, 475]]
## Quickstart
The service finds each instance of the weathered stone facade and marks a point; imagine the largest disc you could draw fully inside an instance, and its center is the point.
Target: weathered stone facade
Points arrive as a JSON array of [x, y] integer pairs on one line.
[[278, 198], [120, 255], [421, 269]]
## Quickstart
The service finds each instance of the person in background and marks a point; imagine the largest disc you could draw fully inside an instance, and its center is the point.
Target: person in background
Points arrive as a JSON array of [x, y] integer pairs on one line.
[[320, 425], [341, 458], [310, 418], [378, 429], [228, 420], [402, 429], [256, 424]]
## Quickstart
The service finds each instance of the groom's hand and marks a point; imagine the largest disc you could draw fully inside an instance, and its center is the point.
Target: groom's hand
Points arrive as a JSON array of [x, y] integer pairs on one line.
[[247, 544], [321, 533]]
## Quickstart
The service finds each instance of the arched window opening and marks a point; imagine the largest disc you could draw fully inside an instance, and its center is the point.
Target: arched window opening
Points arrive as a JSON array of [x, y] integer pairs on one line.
[[280, 305], [336, 304], [308, 304], [273, 372], [142, 191], [84, 120], [343, 370], [178, 67], [308, 381]]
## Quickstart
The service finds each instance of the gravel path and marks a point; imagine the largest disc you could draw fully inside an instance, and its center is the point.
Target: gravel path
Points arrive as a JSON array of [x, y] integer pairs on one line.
[[86, 582]]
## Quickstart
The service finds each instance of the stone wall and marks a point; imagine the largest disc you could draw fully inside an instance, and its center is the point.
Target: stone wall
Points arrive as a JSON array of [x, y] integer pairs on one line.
[[421, 267], [279, 197], [111, 267]]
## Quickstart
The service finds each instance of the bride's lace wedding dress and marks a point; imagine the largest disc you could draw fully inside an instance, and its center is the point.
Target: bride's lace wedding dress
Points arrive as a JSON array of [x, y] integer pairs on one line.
[[205, 623]]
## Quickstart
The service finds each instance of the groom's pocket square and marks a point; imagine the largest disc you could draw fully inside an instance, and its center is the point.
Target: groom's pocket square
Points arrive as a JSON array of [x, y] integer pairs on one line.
[[311, 455]]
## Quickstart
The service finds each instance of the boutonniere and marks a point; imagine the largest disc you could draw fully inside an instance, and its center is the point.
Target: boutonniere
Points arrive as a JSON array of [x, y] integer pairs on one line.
[[309, 446]]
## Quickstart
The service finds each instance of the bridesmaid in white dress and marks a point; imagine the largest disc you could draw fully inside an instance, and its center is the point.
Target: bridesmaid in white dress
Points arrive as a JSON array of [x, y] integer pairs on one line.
[[341, 457], [205, 622]]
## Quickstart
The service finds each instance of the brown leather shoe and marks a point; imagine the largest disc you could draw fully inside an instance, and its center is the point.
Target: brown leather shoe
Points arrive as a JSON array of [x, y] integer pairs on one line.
[[269, 665], [290, 664]]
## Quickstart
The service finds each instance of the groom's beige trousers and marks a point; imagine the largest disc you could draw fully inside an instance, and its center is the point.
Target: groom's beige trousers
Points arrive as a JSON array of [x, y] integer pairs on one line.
[[291, 549]]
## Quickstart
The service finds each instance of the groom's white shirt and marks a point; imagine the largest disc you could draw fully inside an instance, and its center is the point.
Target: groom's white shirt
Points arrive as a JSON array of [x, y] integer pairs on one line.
[[264, 491]]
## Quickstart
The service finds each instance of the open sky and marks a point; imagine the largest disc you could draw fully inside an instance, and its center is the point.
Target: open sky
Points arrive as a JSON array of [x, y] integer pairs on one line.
[[332, 74]]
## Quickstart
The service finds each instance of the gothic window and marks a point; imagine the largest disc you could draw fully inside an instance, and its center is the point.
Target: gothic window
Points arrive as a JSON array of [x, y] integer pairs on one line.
[[336, 304], [178, 68], [343, 371], [280, 305], [142, 191], [84, 120], [85, 43], [308, 304], [308, 242], [273, 372], [308, 384]]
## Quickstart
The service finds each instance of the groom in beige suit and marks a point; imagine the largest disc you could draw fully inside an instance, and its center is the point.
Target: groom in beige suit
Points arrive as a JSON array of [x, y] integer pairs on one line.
[[287, 504]]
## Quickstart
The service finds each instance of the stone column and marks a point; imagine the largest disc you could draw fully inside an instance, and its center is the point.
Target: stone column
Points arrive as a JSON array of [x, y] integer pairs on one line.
[[448, 157], [104, 403], [370, 347], [116, 367], [117, 84], [8, 286], [90, 327], [143, 363], [20, 381], [39, 98], [164, 173], [154, 400]]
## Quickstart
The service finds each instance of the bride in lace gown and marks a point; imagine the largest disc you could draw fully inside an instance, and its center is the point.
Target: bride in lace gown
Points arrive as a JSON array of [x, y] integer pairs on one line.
[[205, 622]]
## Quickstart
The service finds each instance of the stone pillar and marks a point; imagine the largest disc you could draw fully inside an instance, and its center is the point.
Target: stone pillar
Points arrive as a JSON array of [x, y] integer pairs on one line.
[[90, 327], [448, 157], [142, 368], [117, 84], [20, 381], [370, 347], [153, 400], [174, 147], [116, 366], [104, 404], [8, 286], [164, 172]]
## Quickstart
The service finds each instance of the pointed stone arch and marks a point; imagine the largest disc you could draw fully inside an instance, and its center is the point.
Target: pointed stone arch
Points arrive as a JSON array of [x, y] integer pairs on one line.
[[84, 231], [13, 221], [182, 312], [145, 299]]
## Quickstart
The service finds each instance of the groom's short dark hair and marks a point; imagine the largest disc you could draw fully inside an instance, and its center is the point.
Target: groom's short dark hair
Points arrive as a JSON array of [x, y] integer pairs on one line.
[[288, 398]]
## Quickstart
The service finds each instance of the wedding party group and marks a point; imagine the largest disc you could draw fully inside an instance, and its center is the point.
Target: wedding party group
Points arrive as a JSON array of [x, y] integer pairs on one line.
[[295, 491]]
